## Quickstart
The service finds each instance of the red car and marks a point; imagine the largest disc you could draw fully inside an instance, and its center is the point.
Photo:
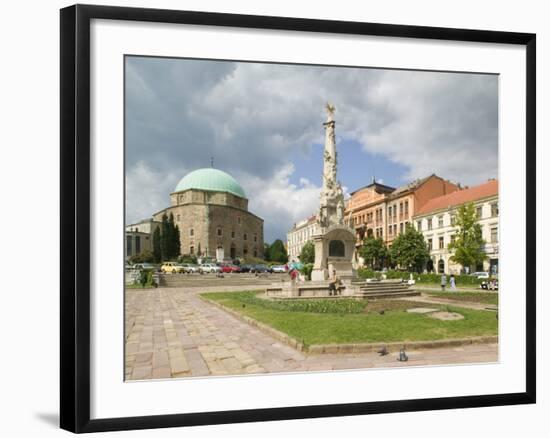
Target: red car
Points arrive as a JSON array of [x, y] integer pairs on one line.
[[227, 269]]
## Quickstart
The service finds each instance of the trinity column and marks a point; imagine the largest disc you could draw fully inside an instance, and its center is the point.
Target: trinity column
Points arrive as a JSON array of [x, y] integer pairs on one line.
[[335, 242]]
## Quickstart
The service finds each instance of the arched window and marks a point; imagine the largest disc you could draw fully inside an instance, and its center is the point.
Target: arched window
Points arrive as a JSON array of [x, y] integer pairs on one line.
[[336, 248]]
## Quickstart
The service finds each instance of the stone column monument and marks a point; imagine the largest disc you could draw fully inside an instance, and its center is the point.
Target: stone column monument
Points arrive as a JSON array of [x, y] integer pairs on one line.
[[334, 242]]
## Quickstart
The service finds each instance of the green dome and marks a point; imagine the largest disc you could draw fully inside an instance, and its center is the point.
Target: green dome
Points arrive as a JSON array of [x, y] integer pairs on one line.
[[210, 179]]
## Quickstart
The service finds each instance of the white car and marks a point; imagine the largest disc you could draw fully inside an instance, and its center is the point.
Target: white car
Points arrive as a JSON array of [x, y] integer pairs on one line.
[[481, 274], [210, 268], [279, 268], [190, 268]]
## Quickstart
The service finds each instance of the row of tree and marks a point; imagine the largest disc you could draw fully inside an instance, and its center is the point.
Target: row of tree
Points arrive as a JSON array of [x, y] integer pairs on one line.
[[166, 240], [410, 251]]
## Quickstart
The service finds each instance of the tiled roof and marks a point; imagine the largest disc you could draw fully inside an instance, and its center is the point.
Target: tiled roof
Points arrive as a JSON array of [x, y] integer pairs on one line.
[[490, 188], [380, 188], [412, 185]]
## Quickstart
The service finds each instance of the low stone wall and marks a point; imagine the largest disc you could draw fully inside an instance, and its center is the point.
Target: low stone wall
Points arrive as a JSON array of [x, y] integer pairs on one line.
[[311, 289]]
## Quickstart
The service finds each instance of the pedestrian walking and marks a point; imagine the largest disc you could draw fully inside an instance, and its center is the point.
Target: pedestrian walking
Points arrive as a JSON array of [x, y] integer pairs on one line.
[[452, 282], [443, 282], [293, 275]]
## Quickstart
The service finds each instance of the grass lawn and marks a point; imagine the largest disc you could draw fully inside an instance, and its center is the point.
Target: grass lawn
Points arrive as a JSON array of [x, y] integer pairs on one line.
[[344, 321], [475, 297]]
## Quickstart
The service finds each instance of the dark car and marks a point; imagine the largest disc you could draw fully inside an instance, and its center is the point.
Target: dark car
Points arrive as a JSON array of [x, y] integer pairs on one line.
[[245, 268], [260, 269]]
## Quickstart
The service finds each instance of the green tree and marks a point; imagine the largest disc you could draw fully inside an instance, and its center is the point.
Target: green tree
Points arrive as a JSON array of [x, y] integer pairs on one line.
[[171, 237], [164, 238], [157, 253], [373, 251], [170, 244], [409, 250], [267, 249], [177, 242], [469, 243], [277, 252], [307, 254]]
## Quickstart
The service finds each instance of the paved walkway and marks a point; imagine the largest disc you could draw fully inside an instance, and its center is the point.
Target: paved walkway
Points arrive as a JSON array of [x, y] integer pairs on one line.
[[171, 332], [451, 302]]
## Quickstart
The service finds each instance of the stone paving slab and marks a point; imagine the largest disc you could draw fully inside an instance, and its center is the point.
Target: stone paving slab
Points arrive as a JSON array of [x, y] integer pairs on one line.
[[454, 303], [172, 333], [421, 310]]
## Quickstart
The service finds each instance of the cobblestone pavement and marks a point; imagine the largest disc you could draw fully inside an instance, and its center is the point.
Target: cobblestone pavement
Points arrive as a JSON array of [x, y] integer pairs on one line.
[[171, 332]]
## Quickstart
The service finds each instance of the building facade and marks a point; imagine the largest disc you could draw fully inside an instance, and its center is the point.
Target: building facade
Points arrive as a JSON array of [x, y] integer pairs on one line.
[[297, 237], [210, 209], [139, 237], [147, 226], [436, 221], [382, 211], [137, 242]]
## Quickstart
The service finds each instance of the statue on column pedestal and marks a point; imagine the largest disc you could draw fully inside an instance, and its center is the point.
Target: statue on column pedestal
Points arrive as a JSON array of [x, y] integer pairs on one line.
[[335, 242]]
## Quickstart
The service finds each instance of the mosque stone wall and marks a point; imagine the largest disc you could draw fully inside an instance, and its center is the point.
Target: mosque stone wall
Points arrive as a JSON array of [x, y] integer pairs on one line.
[[215, 219]]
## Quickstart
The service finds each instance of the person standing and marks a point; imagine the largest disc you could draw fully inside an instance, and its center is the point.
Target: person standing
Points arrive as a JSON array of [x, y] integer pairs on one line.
[[443, 282], [333, 284], [452, 282]]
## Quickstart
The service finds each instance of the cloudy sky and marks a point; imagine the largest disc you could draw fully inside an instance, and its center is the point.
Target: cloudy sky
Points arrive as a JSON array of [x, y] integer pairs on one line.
[[262, 123]]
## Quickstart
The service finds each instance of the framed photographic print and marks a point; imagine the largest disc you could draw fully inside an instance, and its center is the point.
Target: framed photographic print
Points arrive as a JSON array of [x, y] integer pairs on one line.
[[289, 218]]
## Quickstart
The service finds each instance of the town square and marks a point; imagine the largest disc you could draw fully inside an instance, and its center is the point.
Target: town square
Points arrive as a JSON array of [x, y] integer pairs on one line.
[[351, 273]]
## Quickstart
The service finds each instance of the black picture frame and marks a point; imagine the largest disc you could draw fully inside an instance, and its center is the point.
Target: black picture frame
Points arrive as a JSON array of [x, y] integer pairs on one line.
[[75, 217]]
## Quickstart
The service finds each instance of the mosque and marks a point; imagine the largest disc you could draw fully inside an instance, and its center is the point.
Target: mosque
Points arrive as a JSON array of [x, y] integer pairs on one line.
[[211, 210]]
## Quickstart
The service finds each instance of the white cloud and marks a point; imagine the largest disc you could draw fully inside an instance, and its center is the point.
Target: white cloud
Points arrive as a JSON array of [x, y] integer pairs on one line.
[[279, 202], [147, 191], [253, 118]]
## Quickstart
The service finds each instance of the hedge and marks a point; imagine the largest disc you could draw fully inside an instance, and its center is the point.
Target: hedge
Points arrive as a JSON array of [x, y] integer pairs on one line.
[[420, 278]]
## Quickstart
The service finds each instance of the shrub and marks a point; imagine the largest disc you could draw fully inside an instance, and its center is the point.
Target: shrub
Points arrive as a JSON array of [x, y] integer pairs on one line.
[[340, 306], [368, 273], [306, 270], [254, 261], [146, 279], [145, 256], [187, 259], [431, 278]]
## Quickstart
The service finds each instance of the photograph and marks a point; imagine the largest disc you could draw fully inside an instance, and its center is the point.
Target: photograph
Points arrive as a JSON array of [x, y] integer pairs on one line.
[[299, 218]]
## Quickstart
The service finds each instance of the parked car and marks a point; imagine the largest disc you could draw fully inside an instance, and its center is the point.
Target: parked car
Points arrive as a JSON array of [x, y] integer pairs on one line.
[[190, 268], [245, 268], [172, 268], [279, 269], [259, 269], [480, 274], [228, 268], [489, 284], [209, 268], [145, 266]]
